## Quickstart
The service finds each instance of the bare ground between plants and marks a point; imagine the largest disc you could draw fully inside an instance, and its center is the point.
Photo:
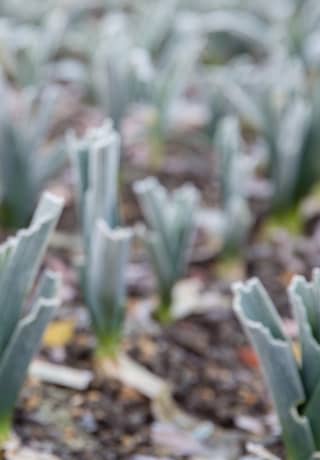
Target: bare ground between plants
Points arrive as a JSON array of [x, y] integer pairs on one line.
[[206, 359]]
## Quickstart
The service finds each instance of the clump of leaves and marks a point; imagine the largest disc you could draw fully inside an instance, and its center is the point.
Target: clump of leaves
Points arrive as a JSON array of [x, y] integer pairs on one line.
[[143, 68], [294, 383], [121, 72], [96, 160], [170, 80], [282, 107], [24, 167], [289, 117], [289, 28], [171, 222], [20, 260], [28, 50], [17, 9]]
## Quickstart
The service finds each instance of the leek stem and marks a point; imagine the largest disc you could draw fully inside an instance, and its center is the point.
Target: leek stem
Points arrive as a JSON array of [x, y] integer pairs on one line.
[[5, 429], [109, 345], [163, 313]]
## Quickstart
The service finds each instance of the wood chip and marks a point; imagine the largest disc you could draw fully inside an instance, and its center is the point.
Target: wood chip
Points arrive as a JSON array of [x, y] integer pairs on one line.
[[29, 454], [189, 298], [178, 442], [61, 375], [134, 376], [260, 452], [167, 412]]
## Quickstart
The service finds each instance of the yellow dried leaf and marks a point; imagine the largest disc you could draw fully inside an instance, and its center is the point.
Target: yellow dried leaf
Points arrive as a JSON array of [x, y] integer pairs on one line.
[[286, 277], [231, 269], [59, 333]]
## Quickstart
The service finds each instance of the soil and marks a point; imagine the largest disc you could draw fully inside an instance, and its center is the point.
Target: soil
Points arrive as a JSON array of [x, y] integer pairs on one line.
[[206, 359]]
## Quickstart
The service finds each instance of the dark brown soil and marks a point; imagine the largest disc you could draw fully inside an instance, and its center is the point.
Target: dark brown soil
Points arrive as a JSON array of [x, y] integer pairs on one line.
[[107, 422], [201, 357], [207, 360]]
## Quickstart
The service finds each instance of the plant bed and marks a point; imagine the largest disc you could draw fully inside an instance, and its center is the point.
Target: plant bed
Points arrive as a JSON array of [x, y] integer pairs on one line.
[[213, 372]]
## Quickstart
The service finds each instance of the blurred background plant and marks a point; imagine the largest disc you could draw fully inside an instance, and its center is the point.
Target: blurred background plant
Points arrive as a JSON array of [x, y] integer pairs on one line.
[[27, 159], [146, 67], [236, 170], [278, 108], [28, 49]]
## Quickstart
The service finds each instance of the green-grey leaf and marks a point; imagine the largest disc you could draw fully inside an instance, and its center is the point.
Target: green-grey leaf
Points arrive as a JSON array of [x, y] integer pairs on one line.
[[23, 262], [258, 316], [305, 299], [106, 285], [24, 343]]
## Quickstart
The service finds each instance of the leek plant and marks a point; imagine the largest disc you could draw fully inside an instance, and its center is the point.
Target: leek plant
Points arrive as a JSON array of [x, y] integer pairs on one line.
[[20, 260], [291, 27], [25, 166], [288, 116], [234, 220], [153, 35], [294, 383], [292, 140], [131, 72], [171, 222], [105, 285], [121, 72], [106, 245], [17, 10], [171, 78], [27, 50], [230, 32], [283, 111]]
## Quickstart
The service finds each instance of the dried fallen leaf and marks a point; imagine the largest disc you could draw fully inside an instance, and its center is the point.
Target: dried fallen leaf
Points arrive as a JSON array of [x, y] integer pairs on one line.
[[286, 277], [248, 357], [59, 333], [231, 269]]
